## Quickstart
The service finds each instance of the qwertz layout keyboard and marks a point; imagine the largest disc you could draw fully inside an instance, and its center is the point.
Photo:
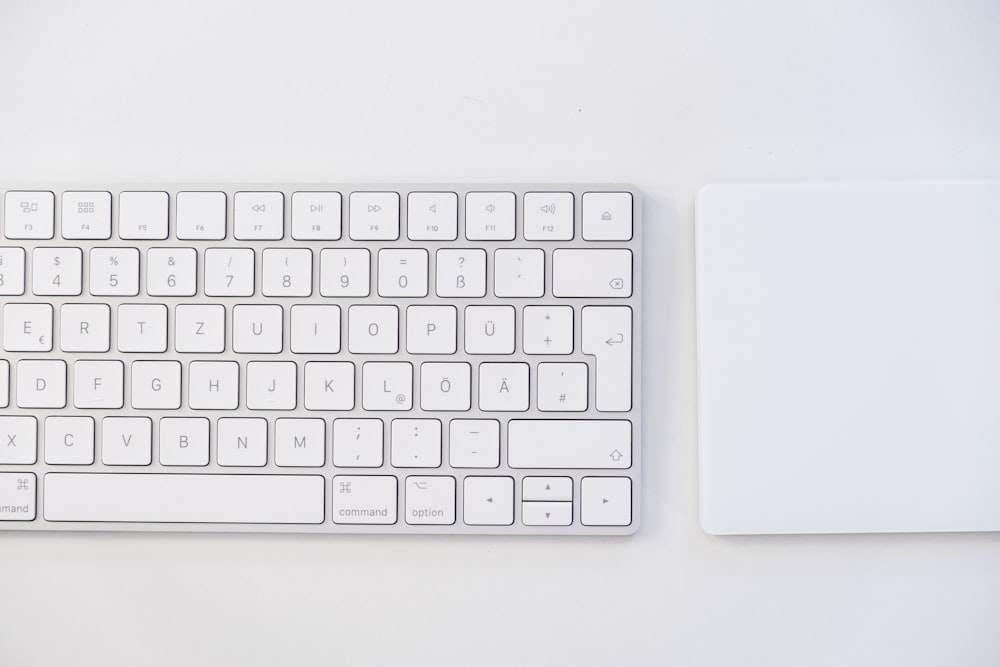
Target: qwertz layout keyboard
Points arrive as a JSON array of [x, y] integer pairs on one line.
[[321, 358]]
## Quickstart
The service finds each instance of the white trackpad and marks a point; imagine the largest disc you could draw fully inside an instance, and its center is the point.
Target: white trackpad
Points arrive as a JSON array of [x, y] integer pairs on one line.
[[849, 357]]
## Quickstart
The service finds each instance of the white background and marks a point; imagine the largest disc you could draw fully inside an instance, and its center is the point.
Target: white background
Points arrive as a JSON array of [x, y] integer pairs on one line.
[[667, 95]]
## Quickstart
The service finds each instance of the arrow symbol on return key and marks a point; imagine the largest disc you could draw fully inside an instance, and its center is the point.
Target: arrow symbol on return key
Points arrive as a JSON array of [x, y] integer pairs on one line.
[[617, 339]]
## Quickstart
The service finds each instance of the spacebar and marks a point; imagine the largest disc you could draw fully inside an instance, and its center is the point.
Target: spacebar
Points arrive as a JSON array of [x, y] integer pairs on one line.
[[156, 498]]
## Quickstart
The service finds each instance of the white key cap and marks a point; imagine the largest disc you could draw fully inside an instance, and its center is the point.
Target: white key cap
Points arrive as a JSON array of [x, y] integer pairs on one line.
[[41, 383], [519, 273], [4, 387], [374, 215], [156, 385], [592, 273], [213, 385], [56, 271], [402, 272], [461, 272], [548, 216], [488, 501], [29, 215], [200, 328], [546, 513], [84, 327], [171, 271], [69, 441], [503, 387], [316, 216], [489, 329], [142, 327], [177, 498], [17, 496], [114, 271], [126, 441], [364, 499], [99, 384], [143, 215], [373, 329], [183, 441], [547, 488], [607, 216], [344, 272], [11, 271], [430, 501], [357, 443], [242, 442], [287, 272], [257, 329], [432, 216], [18, 440], [387, 386], [229, 272], [415, 443], [201, 215], [569, 443], [86, 215], [474, 443], [329, 385], [562, 387], [27, 327], [300, 443], [446, 386], [315, 329], [431, 329], [606, 501], [489, 216], [258, 216], [271, 385], [607, 334], [548, 330]]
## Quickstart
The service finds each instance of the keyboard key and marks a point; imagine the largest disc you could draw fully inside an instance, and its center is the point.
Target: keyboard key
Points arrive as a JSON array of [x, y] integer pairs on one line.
[[242, 442], [278, 499], [300, 443], [258, 216], [488, 501], [367, 499], [461, 272], [345, 272], [489, 216], [85, 327], [213, 385], [114, 271], [257, 329], [201, 216], [271, 385], [99, 384], [606, 501], [374, 216], [56, 271], [287, 272], [17, 496], [415, 443], [143, 215], [11, 271], [142, 327], [547, 488], [126, 441], [41, 383], [503, 387], [431, 329], [183, 441], [387, 386], [607, 334], [547, 330], [445, 386], [357, 443], [402, 273], [18, 440], [489, 329], [229, 272], [29, 215], [519, 273], [562, 387], [430, 501], [546, 514], [548, 216], [329, 385], [316, 216], [373, 329], [27, 327], [569, 443], [86, 215], [69, 441], [432, 216], [156, 385], [200, 328], [607, 216], [315, 329], [474, 443], [4, 385], [171, 271], [592, 273]]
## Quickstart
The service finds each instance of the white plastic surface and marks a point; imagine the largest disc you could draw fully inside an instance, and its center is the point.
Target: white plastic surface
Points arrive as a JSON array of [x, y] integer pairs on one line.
[[849, 357]]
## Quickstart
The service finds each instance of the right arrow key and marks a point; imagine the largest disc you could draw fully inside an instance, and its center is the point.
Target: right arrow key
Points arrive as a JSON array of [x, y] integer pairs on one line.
[[606, 501]]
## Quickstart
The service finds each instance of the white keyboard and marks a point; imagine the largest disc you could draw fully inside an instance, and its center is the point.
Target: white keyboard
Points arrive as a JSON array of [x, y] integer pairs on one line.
[[321, 358]]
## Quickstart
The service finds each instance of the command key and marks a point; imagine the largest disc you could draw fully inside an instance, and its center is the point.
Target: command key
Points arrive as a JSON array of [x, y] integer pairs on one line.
[[17, 496]]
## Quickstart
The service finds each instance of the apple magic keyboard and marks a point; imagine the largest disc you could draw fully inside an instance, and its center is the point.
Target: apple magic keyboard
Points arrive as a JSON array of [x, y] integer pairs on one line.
[[321, 358]]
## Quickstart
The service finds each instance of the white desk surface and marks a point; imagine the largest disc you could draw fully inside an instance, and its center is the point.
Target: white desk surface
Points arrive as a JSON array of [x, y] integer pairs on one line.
[[667, 95]]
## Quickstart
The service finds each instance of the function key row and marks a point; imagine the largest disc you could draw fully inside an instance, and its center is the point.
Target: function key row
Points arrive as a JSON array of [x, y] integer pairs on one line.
[[260, 216]]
